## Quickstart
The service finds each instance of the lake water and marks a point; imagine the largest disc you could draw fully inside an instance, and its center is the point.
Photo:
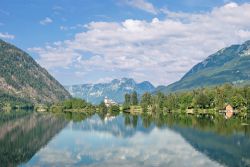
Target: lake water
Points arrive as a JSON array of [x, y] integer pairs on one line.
[[35, 139]]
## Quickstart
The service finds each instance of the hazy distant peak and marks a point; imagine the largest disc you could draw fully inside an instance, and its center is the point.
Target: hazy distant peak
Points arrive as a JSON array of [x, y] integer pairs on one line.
[[115, 89]]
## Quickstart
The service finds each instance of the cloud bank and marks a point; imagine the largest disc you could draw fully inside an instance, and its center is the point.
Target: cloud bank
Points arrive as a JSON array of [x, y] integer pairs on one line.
[[160, 51]]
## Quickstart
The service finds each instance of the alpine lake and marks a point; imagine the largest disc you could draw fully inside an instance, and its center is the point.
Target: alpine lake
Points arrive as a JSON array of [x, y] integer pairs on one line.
[[30, 138]]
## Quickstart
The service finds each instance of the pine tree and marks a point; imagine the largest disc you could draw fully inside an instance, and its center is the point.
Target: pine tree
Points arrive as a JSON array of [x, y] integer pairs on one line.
[[134, 99]]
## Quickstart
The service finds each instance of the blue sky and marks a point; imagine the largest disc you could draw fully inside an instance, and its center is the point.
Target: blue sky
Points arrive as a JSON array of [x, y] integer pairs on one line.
[[87, 41]]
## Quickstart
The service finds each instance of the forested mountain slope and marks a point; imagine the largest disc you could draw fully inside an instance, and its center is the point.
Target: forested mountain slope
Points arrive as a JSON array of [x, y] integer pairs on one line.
[[229, 65], [21, 77]]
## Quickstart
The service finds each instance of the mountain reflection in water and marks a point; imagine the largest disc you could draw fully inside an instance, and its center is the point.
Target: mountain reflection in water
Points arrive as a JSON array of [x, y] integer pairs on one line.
[[23, 133], [123, 140]]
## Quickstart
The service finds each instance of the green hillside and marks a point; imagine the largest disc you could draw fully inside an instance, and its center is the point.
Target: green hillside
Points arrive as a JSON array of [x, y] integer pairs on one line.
[[229, 65], [22, 78]]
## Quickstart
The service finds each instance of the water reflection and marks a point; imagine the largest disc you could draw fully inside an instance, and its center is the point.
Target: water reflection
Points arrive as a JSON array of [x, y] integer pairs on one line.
[[23, 133], [126, 140]]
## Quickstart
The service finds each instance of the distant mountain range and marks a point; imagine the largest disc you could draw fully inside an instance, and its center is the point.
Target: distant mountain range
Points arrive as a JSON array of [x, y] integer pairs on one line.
[[116, 89], [229, 65], [22, 78]]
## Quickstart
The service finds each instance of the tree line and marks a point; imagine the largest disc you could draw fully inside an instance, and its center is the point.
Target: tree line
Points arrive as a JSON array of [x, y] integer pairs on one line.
[[203, 98], [72, 105], [131, 99]]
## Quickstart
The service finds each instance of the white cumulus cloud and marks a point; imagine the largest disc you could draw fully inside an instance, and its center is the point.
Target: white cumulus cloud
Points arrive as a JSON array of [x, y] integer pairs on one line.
[[46, 21], [160, 50], [142, 5]]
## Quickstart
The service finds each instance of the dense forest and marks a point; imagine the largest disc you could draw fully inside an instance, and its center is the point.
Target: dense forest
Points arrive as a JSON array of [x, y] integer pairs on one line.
[[22, 77], [72, 105], [8, 102], [203, 98], [212, 99]]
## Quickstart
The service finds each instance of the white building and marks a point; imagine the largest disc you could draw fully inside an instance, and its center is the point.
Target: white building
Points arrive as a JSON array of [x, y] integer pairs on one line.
[[109, 102]]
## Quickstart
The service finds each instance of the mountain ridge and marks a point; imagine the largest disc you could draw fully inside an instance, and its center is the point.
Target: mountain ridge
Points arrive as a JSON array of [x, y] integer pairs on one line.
[[228, 65], [114, 89], [21, 76]]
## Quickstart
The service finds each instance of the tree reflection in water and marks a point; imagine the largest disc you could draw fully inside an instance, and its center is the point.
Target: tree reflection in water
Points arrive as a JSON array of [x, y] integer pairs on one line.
[[23, 134]]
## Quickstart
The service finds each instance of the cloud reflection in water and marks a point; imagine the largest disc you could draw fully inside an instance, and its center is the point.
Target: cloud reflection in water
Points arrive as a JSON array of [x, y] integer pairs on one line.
[[93, 147]]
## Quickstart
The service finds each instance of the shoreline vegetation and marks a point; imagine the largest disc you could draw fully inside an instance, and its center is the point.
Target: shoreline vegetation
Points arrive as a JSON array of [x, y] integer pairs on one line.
[[204, 102]]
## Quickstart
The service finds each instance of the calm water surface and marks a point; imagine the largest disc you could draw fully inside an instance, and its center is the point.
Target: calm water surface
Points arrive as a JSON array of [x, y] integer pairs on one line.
[[33, 139]]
